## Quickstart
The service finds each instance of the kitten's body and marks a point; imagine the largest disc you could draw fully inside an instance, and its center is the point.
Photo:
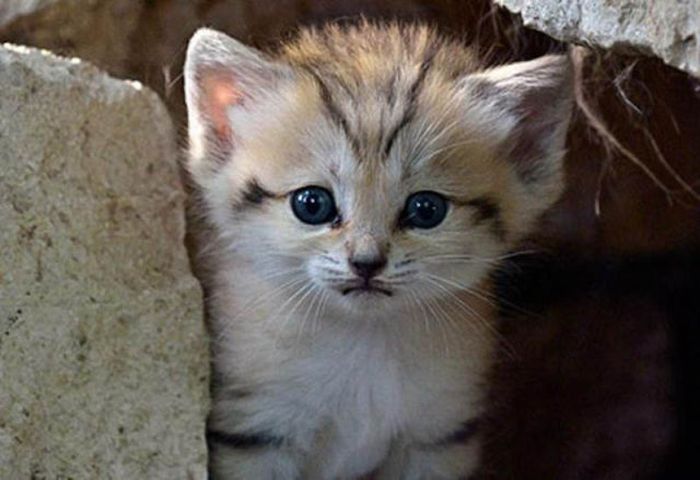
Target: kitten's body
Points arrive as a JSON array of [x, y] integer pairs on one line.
[[325, 370], [344, 392]]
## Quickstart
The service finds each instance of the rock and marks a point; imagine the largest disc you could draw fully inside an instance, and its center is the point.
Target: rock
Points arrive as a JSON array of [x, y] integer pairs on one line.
[[103, 354], [99, 31], [670, 30]]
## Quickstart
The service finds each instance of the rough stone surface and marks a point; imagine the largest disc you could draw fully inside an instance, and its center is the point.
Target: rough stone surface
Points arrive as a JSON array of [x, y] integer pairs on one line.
[[103, 356], [668, 29]]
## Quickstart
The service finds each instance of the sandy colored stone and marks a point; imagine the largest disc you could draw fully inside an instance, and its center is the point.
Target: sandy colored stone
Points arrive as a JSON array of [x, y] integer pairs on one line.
[[103, 355], [668, 29]]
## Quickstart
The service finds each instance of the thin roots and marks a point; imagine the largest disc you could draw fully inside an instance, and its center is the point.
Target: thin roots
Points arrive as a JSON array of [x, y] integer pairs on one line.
[[611, 142]]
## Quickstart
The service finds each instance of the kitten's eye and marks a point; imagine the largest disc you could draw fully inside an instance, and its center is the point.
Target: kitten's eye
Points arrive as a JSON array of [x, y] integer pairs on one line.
[[313, 205], [424, 210]]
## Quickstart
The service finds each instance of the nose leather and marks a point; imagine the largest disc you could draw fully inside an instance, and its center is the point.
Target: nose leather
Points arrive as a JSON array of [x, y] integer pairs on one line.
[[367, 267], [367, 256]]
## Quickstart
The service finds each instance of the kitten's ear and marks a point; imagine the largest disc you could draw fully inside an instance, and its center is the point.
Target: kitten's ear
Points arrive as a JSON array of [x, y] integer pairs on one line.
[[223, 76], [535, 98]]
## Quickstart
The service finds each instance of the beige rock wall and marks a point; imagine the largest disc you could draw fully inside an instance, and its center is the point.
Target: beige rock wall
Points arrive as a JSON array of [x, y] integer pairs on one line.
[[103, 357], [670, 29]]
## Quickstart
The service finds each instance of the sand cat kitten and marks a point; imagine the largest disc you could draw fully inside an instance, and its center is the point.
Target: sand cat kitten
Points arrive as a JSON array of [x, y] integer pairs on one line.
[[361, 182]]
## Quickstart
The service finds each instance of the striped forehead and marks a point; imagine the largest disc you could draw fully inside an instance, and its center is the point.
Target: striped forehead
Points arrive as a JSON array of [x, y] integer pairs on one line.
[[372, 112]]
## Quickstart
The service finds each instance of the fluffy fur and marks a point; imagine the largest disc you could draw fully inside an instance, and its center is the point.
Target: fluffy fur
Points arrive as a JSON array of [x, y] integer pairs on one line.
[[313, 383]]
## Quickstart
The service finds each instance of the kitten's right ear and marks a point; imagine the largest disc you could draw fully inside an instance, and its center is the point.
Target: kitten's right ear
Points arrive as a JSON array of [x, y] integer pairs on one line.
[[222, 76]]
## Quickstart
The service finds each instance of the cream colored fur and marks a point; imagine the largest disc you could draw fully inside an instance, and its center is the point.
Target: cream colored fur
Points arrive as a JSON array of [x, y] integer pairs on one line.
[[361, 383]]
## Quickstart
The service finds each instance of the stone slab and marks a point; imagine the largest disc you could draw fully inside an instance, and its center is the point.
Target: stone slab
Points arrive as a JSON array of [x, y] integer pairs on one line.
[[665, 28], [103, 353]]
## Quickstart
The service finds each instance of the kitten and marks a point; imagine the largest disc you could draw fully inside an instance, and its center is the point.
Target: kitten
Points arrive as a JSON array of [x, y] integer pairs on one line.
[[362, 183]]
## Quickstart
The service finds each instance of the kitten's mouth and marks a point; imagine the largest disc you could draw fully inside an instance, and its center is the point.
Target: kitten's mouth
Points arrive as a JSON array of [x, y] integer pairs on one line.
[[367, 289]]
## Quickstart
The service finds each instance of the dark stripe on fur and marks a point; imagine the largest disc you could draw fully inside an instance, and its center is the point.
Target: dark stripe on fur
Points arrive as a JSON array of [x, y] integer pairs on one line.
[[391, 89], [408, 116], [253, 194], [411, 101], [488, 210], [243, 442], [333, 110]]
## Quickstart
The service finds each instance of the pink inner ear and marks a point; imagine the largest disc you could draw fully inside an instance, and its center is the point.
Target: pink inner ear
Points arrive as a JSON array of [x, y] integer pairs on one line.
[[218, 94]]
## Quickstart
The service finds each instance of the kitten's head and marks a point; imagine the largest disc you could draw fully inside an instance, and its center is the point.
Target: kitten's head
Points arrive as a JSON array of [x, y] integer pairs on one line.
[[377, 165]]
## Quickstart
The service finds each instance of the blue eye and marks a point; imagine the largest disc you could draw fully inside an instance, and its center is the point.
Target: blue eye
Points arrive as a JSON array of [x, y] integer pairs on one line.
[[424, 210], [313, 205]]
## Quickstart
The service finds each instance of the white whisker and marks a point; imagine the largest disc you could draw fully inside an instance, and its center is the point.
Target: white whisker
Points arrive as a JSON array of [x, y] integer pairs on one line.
[[455, 320], [473, 313], [258, 302]]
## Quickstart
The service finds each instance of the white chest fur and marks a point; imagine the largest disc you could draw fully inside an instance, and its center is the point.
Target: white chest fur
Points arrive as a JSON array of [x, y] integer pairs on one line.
[[352, 388]]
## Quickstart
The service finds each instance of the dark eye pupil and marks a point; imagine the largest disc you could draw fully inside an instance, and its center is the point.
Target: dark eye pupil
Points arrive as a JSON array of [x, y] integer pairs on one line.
[[424, 210], [313, 205]]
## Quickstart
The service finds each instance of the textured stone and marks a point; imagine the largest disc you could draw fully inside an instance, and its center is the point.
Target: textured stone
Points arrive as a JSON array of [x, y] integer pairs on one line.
[[103, 355], [668, 29]]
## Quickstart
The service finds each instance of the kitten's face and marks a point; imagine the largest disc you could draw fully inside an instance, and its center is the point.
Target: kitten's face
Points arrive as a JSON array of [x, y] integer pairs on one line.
[[367, 200]]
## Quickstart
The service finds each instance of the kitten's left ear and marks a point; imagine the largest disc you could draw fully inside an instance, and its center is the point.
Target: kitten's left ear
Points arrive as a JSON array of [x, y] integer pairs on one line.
[[223, 77], [535, 99]]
